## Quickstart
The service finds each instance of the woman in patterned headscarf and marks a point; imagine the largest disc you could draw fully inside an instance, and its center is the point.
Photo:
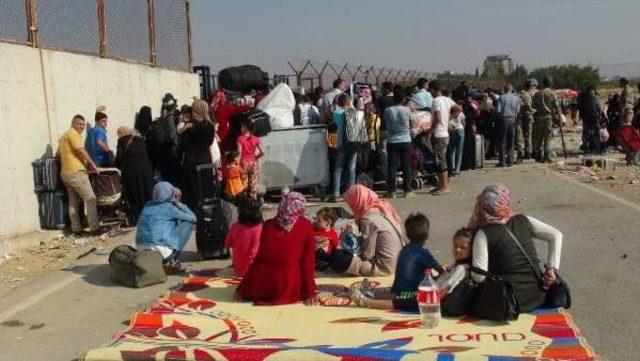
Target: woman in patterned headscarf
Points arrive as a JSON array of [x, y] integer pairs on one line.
[[284, 268], [495, 249]]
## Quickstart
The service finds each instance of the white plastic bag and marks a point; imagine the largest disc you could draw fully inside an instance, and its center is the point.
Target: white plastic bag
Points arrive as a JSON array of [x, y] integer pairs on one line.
[[279, 104]]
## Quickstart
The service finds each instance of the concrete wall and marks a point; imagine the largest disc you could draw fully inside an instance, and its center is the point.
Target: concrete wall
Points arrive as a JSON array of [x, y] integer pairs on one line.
[[40, 91]]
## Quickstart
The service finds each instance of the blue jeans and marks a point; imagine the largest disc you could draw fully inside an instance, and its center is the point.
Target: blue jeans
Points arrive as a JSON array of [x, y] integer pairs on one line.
[[456, 146], [182, 233], [346, 161]]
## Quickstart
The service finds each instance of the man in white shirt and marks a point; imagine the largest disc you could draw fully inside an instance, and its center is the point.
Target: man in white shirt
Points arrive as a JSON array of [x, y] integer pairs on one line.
[[328, 101], [441, 111]]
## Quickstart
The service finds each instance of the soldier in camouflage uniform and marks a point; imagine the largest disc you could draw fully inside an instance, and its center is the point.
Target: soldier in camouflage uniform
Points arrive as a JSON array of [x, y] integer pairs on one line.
[[524, 125], [547, 111], [627, 100]]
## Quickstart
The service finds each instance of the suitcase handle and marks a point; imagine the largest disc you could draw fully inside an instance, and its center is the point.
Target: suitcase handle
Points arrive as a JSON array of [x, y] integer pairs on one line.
[[216, 186]]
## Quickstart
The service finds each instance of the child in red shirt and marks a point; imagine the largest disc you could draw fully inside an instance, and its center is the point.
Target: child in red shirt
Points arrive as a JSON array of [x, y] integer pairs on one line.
[[326, 238], [250, 151], [244, 236]]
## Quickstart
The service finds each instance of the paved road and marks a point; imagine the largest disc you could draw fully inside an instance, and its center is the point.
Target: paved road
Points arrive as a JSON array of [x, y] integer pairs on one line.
[[66, 313]]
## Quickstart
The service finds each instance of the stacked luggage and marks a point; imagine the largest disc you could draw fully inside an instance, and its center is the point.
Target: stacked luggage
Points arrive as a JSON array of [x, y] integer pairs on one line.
[[243, 78], [52, 199]]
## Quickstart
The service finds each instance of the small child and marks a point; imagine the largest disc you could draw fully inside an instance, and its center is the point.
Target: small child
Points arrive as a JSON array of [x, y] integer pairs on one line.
[[244, 236], [250, 151], [454, 284], [326, 238], [233, 176], [412, 262]]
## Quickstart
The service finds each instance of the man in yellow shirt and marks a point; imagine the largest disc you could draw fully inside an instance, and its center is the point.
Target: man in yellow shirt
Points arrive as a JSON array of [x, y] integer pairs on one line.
[[75, 160]]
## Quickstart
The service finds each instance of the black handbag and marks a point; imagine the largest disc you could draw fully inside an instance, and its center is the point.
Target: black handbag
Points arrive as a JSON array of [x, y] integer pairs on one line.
[[493, 299], [559, 294]]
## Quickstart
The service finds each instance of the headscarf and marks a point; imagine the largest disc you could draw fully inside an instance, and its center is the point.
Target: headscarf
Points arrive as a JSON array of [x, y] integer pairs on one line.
[[219, 98], [291, 208], [362, 200], [200, 111], [163, 192], [143, 121], [493, 206]]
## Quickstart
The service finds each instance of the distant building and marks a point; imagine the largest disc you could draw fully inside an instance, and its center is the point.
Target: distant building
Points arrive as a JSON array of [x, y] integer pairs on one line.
[[496, 65]]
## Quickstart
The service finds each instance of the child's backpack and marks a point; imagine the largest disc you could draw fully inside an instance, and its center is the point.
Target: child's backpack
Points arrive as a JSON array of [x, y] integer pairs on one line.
[[355, 128]]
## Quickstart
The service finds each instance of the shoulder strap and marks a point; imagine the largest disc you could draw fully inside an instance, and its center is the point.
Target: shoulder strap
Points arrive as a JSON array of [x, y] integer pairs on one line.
[[536, 269]]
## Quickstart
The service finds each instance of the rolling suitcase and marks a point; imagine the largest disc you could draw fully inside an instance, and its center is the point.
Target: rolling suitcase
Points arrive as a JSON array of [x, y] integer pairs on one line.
[[212, 226], [52, 209], [46, 174]]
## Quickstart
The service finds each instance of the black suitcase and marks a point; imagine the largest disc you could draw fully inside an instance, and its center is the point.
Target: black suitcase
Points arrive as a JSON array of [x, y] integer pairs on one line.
[[52, 209], [46, 174], [212, 226]]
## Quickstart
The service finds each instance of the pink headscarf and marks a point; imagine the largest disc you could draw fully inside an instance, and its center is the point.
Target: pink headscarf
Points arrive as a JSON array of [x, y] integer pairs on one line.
[[291, 208], [362, 200], [219, 98], [493, 206]]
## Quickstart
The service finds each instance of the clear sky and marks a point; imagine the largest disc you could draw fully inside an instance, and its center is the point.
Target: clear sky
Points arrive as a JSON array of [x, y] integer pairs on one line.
[[431, 35]]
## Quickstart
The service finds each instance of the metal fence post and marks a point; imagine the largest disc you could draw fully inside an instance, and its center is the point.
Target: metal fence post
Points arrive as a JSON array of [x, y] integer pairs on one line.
[[102, 29], [189, 43], [32, 22], [152, 32]]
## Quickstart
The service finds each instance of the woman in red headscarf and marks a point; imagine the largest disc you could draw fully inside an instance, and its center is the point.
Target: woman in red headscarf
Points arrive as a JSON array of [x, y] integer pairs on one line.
[[284, 269], [495, 249], [382, 235]]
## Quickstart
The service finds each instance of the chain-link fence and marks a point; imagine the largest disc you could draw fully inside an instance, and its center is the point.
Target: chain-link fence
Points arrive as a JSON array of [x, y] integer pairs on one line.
[[155, 32]]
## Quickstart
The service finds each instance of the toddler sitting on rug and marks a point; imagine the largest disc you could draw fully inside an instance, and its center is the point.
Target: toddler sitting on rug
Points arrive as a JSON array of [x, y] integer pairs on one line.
[[326, 238], [244, 236], [452, 281], [412, 261]]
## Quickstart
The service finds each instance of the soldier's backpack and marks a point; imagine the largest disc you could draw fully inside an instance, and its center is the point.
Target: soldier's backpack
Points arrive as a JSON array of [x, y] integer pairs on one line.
[[355, 128], [136, 268]]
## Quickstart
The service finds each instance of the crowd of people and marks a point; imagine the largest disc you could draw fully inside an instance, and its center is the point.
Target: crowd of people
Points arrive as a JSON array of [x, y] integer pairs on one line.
[[423, 129]]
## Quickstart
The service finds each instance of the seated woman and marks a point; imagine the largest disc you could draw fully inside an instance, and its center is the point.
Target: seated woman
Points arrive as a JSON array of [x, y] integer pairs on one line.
[[382, 236], [137, 173], [165, 225], [496, 251], [284, 268]]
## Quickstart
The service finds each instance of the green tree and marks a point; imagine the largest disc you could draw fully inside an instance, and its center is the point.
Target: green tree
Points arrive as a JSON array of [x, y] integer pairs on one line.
[[569, 76], [518, 77]]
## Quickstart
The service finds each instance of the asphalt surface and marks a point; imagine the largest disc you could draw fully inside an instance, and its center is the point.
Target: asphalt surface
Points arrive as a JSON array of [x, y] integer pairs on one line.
[[66, 313]]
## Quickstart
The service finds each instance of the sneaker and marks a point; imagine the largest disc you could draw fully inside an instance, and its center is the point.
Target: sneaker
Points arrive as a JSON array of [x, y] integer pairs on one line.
[[409, 194], [390, 195]]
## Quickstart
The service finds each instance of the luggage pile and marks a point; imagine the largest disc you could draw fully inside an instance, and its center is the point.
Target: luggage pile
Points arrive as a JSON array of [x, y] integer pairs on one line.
[[243, 78], [52, 198]]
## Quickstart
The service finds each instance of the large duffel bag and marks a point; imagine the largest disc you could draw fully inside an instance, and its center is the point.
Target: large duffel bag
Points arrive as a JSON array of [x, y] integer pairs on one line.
[[243, 78], [46, 174], [136, 268], [52, 209]]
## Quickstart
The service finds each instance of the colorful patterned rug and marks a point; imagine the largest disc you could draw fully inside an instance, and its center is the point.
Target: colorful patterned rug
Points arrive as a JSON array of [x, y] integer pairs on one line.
[[199, 321]]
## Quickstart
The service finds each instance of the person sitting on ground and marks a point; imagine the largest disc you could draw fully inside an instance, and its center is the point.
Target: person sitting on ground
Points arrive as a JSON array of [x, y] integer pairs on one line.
[[381, 232], [495, 249], [413, 260], [233, 185], [75, 160], [136, 170], [326, 238], [97, 143], [165, 225], [284, 269], [244, 236], [454, 283]]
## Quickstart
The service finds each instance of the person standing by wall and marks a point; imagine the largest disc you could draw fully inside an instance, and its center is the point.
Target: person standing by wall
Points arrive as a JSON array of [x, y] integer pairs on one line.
[[507, 110], [525, 121], [547, 109], [347, 154], [329, 101], [73, 158], [97, 142]]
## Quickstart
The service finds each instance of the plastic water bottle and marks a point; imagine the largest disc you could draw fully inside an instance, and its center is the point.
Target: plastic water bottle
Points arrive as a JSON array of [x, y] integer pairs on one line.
[[429, 301]]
